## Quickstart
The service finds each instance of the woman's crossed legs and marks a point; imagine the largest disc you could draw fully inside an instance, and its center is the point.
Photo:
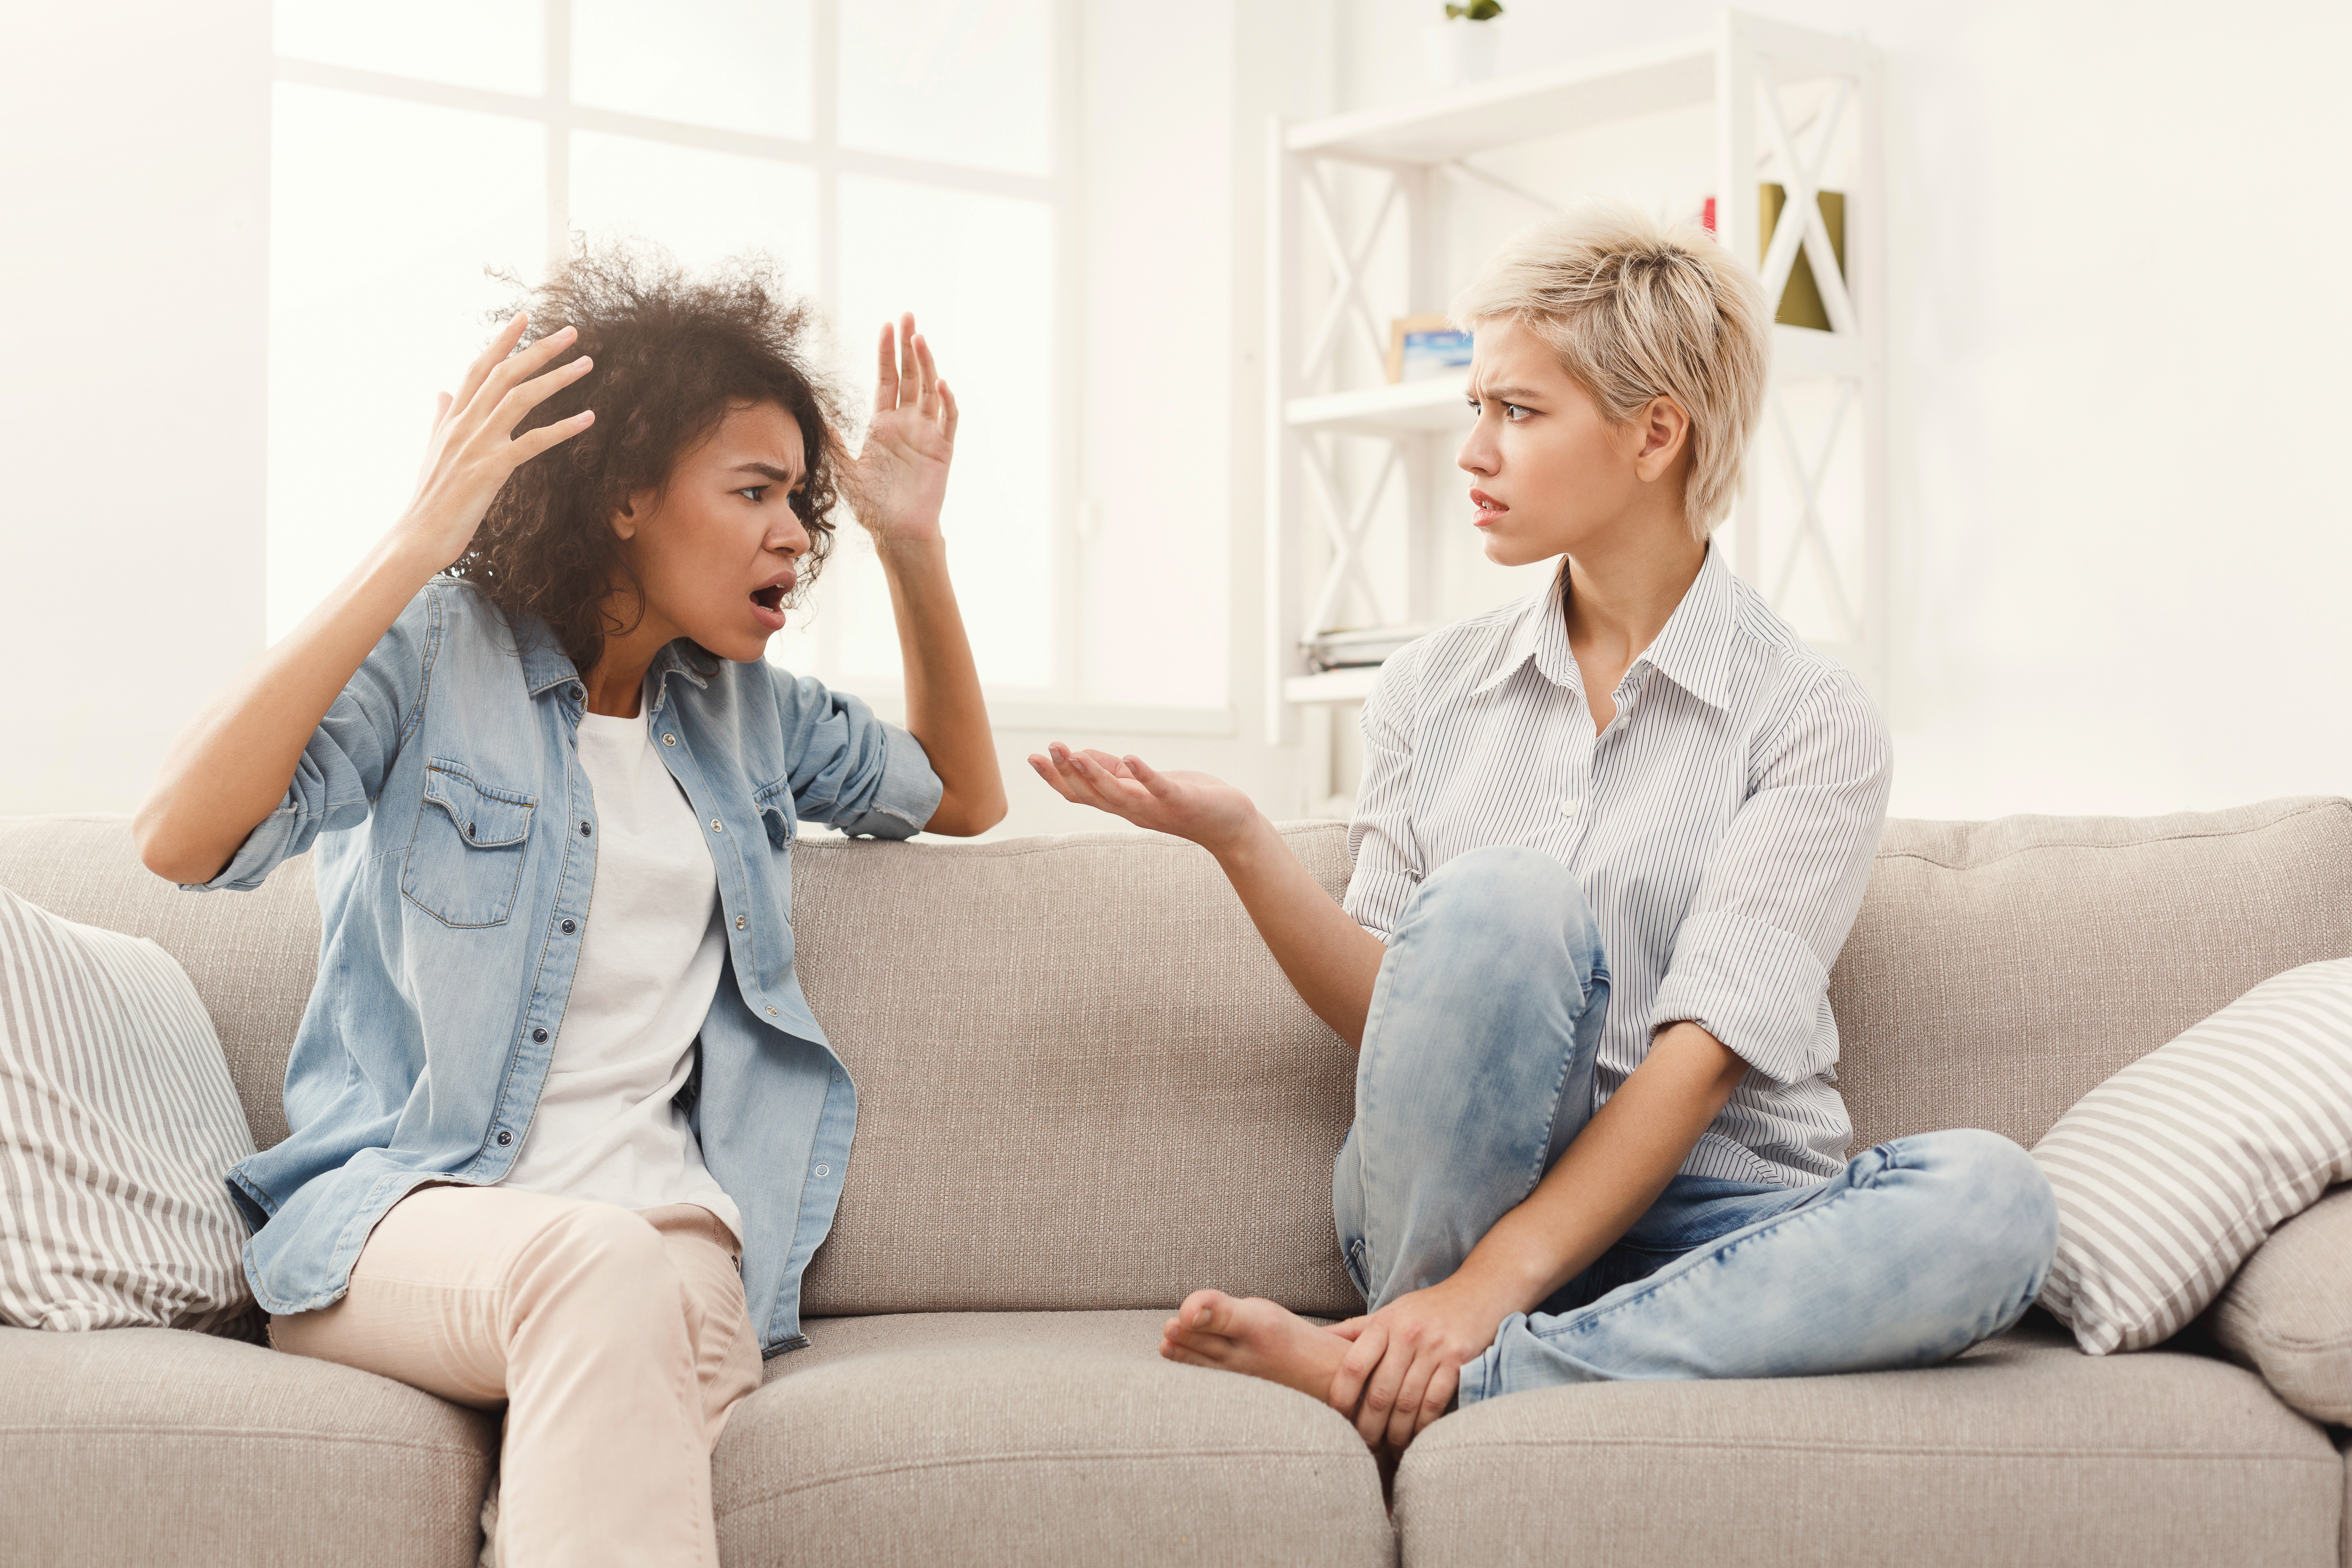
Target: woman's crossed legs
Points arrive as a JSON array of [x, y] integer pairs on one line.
[[1475, 1075]]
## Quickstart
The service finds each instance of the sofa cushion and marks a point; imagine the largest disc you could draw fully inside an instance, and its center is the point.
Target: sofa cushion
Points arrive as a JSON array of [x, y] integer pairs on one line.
[[1082, 1083], [1052, 1438], [2288, 1313], [134, 1447], [117, 1122], [2000, 971], [251, 956], [2023, 1452], [2172, 1171]]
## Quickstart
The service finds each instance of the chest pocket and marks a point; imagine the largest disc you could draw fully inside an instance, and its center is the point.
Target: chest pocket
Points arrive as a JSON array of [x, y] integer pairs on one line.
[[775, 806], [464, 860]]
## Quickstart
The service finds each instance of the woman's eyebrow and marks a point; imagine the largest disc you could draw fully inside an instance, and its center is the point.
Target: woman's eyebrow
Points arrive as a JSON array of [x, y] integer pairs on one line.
[[781, 475], [1505, 393]]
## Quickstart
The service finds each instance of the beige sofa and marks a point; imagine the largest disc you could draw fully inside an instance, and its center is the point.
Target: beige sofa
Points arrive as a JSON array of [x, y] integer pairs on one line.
[[1087, 1090]]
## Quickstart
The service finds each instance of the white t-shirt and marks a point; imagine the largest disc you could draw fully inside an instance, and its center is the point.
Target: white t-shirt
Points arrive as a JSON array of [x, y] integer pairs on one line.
[[649, 965]]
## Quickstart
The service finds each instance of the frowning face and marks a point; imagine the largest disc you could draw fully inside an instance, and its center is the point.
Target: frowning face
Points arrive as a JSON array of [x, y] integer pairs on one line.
[[719, 549]]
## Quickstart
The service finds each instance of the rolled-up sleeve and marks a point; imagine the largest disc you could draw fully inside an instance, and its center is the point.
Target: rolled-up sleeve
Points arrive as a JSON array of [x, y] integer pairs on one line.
[[850, 769], [1382, 849], [343, 766], [1751, 960]]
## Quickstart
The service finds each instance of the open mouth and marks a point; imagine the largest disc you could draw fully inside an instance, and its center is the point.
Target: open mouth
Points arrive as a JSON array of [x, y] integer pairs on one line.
[[769, 598]]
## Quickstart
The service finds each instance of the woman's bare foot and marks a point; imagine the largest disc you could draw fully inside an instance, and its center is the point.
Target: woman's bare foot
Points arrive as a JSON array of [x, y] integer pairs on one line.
[[1253, 1335]]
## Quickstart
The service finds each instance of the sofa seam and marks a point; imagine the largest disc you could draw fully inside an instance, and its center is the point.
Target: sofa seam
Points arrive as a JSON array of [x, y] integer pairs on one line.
[[2201, 1455], [2329, 803], [1158, 1456], [149, 1430]]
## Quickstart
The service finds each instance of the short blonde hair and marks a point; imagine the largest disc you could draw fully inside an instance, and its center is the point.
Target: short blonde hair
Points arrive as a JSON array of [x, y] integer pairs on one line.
[[1637, 308]]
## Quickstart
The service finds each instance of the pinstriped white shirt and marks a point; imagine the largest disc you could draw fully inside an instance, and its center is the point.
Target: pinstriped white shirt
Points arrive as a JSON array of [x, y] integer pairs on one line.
[[1722, 828]]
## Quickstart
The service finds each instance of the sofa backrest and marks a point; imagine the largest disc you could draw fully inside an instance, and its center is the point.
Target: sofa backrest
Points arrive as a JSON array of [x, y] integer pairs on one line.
[[1084, 1083]]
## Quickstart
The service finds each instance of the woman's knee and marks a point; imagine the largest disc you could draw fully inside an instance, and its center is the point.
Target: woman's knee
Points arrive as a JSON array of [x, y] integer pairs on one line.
[[603, 1258], [1505, 890], [2000, 1201]]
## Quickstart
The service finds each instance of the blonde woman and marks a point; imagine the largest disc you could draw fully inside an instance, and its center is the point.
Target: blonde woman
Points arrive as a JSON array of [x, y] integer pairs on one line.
[[1609, 842]]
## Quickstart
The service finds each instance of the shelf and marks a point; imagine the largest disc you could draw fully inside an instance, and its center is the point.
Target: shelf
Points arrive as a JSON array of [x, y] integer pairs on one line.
[[1808, 352], [1497, 113], [1350, 685], [1406, 408]]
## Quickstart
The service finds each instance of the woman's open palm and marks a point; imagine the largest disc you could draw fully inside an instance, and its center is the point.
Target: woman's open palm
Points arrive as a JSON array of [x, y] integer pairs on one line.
[[1198, 806], [900, 478]]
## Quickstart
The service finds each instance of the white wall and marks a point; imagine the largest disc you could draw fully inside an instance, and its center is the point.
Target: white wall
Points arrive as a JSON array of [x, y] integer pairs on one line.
[[134, 193], [2122, 570]]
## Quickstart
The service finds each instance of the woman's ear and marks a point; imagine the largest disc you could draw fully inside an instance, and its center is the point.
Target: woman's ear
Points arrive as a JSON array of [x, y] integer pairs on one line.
[[1665, 434], [633, 510]]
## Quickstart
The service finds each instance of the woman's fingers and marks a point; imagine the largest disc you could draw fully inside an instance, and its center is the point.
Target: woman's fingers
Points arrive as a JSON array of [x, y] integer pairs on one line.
[[886, 372], [1438, 1398], [1405, 1419], [489, 358], [1141, 773], [1347, 1383], [946, 412], [926, 378], [910, 375], [522, 399], [531, 443], [1381, 1394]]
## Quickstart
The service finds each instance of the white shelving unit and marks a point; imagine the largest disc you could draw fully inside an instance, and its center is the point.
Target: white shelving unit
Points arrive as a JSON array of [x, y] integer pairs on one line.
[[1741, 70]]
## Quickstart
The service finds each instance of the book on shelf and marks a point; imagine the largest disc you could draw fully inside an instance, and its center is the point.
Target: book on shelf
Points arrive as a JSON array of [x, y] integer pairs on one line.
[[1358, 648]]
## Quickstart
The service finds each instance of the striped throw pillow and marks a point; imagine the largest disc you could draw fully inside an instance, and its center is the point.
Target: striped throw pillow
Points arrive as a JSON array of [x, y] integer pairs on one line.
[[117, 1123], [2174, 1169]]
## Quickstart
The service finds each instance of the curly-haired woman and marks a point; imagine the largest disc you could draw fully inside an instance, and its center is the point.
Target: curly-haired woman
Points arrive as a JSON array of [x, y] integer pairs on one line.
[[565, 1133]]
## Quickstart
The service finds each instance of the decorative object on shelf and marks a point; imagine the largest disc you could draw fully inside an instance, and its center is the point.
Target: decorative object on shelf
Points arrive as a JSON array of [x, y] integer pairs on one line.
[[1359, 648], [1462, 48], [1424, 346], [1801, 304]]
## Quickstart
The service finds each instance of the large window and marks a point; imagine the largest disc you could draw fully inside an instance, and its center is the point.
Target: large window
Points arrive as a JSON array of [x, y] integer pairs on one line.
[[888, 154]]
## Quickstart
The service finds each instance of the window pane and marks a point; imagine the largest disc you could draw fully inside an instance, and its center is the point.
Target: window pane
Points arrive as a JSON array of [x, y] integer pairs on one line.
[[701, 206], [382, 216], [961, 81], [493, 44], [741, 64], [978, 272]]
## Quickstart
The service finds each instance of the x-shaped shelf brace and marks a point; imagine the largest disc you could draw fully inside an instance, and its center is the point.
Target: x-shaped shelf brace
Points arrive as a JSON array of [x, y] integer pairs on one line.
[[1348, 266], [1807, 477], [1801, 216], [1346, 532]]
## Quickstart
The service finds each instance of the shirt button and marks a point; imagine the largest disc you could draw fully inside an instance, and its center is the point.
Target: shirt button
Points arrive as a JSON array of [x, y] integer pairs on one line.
[[824, 1170], [716, 827], [771, 1012], [569, 927], [578, 695], [586, 830], [669, 740], [539, 1036], [1568, 808], [740, 922], [505, 1138]]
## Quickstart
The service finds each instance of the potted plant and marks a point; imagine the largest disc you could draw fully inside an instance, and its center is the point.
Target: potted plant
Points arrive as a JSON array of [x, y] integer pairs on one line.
[[1462, 46]]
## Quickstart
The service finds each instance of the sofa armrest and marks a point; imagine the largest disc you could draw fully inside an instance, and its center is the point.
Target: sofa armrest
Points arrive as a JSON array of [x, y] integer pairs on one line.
[[2288, 1313]]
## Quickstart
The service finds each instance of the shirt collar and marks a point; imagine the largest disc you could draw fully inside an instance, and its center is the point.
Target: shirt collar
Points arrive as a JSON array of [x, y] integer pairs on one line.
[[1693, 650], [545, 664]]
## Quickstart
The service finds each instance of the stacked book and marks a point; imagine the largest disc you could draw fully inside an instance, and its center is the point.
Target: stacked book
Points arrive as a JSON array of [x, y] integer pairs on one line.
[[1356, 647]]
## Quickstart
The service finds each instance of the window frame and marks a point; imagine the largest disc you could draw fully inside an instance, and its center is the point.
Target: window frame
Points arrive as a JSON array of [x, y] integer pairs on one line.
[[553, 110]]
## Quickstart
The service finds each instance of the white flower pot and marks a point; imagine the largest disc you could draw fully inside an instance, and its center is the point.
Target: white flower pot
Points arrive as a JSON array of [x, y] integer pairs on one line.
[[1459, 50]]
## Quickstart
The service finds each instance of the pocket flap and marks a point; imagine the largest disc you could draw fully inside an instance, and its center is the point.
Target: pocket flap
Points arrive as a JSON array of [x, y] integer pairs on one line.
[[486, 817]]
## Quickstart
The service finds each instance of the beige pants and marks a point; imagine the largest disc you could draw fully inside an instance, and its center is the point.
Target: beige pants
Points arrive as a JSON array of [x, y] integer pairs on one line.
[[617, 1339]]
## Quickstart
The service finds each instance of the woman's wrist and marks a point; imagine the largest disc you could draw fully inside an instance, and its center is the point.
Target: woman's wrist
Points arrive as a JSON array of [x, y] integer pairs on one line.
[[1245, 846]]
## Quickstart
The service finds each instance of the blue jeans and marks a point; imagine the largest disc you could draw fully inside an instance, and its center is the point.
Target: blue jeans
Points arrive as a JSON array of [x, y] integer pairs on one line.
[[1476, 1074]]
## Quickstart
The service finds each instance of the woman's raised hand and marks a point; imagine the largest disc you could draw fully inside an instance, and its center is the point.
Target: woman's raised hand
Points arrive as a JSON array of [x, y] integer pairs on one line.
[[1206, 810], [474, 449], [900, 478]]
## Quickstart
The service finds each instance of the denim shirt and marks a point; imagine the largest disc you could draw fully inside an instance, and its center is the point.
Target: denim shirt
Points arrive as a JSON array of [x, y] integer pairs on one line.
[[456, 854]]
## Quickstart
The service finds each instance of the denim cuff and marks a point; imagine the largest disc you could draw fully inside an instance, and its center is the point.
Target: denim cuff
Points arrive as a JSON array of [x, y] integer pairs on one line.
[[907, 795], [264, 849]]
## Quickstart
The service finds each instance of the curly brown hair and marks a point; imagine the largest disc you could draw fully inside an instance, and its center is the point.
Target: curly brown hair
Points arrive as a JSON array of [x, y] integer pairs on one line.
[[673, 354]]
